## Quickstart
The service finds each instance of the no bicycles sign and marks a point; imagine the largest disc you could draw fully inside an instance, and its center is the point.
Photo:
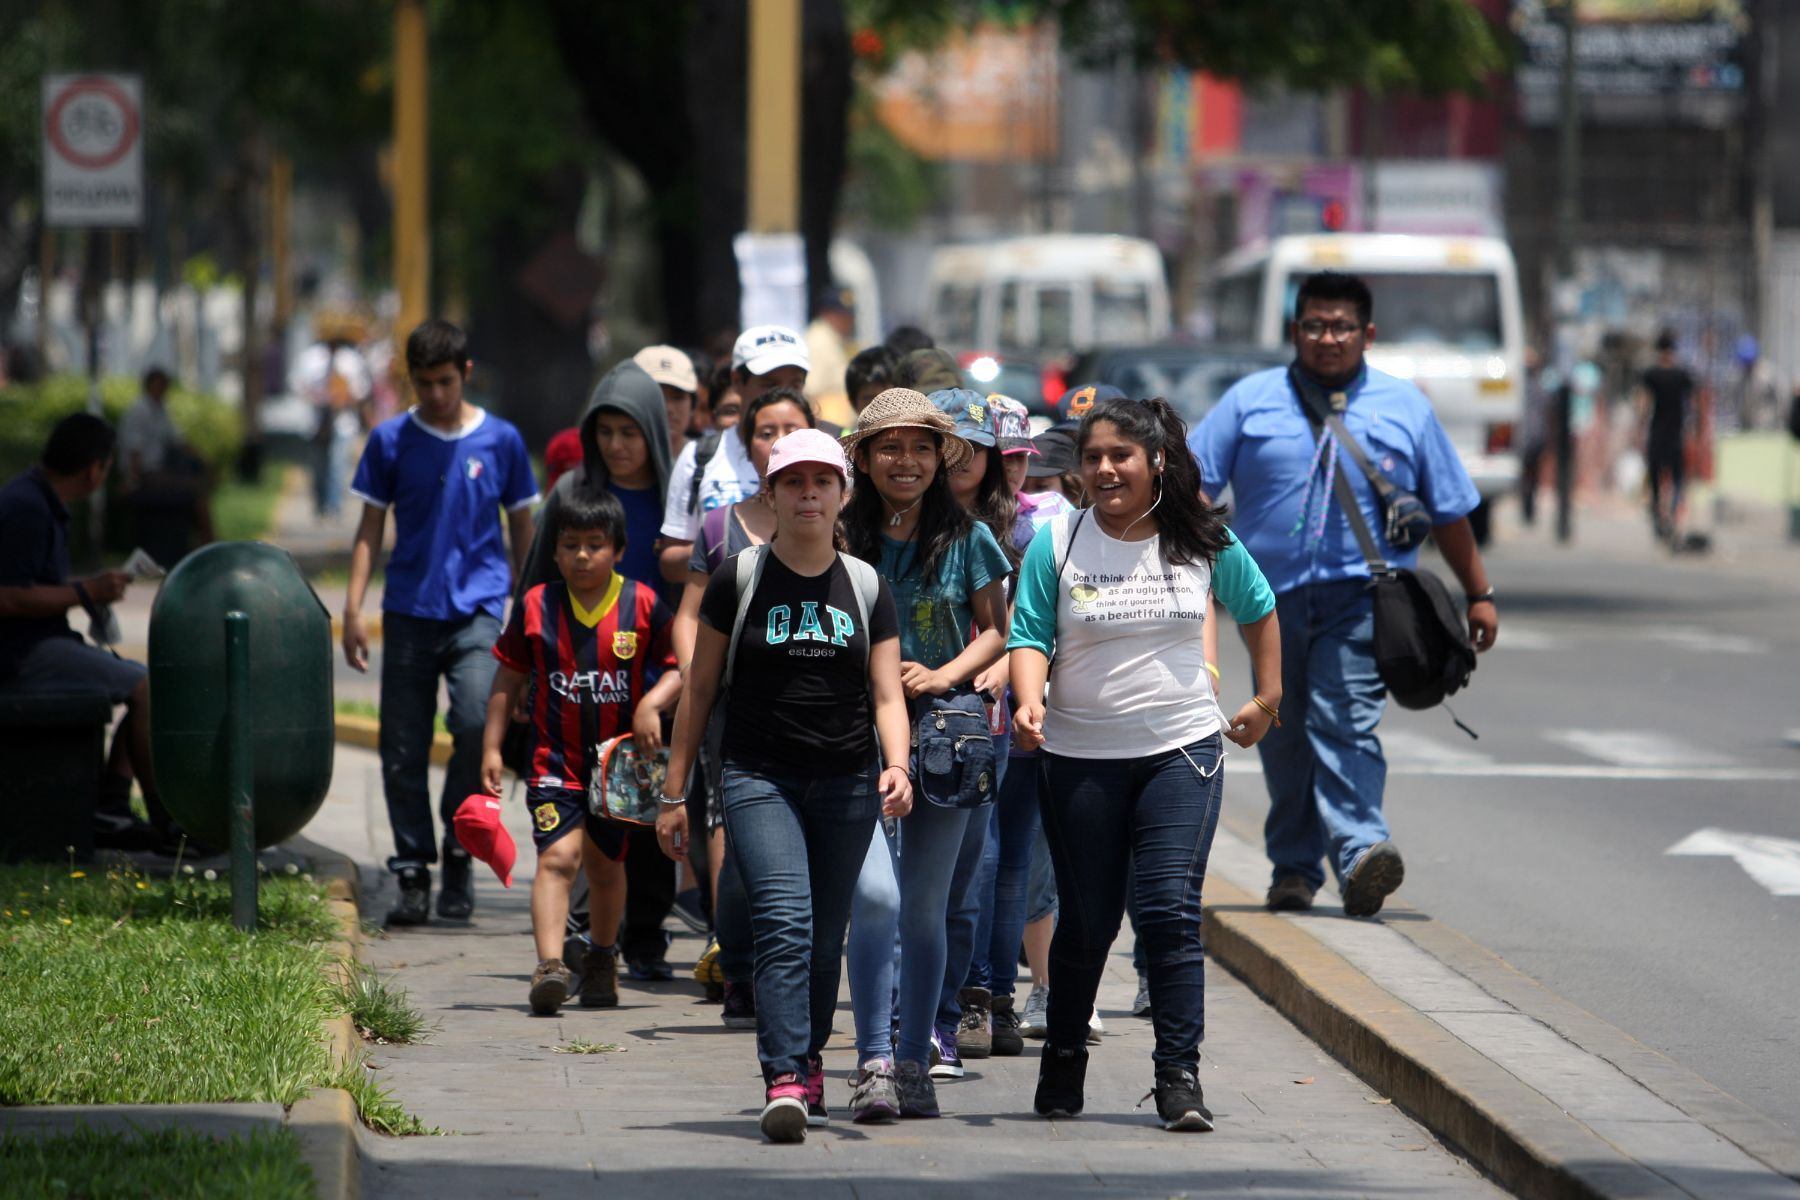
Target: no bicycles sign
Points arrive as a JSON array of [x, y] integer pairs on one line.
[[93, 150]]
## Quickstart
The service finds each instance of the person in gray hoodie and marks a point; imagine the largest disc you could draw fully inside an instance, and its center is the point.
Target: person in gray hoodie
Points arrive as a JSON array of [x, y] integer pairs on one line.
[[625, 450]]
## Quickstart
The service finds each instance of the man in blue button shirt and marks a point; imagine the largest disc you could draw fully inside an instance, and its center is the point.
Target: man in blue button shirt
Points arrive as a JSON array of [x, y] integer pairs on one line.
[[1323, 766], [447, 469]]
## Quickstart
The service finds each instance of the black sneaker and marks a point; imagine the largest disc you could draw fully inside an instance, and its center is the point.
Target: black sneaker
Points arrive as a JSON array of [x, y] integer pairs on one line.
[[1179, 1102], [740, 1006], [414, 905], [1062, 1072], [1008, 1041], [456, 896], [1290, 893], [649, 970], [1375, 877], [576, 948]]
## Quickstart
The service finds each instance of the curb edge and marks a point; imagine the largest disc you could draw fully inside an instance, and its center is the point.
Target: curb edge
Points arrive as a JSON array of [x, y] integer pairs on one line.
[[326, 1120], [1507, 1129]]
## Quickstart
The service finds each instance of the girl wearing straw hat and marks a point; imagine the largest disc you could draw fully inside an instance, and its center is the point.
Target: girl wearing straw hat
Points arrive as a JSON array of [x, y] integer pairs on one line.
[[947, 573]]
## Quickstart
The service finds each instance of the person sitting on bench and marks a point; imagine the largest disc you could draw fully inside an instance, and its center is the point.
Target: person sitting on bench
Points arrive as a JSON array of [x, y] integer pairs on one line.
[[40, 654]]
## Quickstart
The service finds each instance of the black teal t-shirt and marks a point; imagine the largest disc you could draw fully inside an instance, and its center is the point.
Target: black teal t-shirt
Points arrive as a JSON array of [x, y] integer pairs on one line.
[[800, 700]]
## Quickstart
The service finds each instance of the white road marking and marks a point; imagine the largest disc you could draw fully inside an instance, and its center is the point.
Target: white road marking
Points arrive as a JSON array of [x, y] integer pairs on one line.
[[1241, 763], [1771, 861], [1403, 747], [1530, 637], [1706, 641], [1636, 747]]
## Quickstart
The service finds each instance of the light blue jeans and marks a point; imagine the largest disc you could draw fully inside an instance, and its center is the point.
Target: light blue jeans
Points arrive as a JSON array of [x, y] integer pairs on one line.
[[871, 954], [1323, 767], [930, 843]]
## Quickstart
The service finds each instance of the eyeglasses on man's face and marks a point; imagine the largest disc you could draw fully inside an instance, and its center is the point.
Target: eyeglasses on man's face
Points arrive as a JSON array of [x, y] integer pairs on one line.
[[1339, 331]]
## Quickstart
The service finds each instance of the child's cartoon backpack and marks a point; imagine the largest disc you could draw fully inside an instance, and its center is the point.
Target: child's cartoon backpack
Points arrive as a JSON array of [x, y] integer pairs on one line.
[[626, 786]]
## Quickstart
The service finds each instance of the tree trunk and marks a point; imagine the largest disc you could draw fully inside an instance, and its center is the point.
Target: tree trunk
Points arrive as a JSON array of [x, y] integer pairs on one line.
[[824, 135]]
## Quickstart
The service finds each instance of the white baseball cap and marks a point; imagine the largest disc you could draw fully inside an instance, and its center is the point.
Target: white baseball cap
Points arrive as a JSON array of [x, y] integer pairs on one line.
[[762, 348], [668, 365]]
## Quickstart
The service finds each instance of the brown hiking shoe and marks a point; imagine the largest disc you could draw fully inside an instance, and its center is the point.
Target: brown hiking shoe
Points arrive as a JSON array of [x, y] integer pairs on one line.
[[600, 981], [1375, 877], [1290, 894], [550, 985]]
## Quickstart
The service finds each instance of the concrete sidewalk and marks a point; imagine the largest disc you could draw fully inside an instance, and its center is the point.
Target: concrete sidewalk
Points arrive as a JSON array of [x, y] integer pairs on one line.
[[673, 1111]]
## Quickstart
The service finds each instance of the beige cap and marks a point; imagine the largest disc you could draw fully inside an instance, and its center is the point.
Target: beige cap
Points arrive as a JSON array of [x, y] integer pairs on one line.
[[666, 364]]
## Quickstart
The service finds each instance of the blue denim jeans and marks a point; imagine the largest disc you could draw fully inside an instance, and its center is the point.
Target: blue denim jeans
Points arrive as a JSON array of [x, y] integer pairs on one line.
[[930, 844], [1040, 880], [870, 954], [731, 921], [1006, 870], [963, 921], [416, 652], [1323, 767], [1151, 820], [800, 841]]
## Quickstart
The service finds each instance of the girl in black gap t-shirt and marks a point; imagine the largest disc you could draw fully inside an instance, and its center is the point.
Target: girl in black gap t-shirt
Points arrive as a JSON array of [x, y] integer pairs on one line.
[[813, 693]]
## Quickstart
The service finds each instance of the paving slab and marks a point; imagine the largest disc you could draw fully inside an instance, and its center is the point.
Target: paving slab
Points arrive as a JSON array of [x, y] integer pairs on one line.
[[673, 1110]]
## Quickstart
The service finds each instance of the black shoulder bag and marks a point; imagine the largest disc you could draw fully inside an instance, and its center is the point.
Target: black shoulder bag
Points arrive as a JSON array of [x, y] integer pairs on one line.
[[1422, 647]]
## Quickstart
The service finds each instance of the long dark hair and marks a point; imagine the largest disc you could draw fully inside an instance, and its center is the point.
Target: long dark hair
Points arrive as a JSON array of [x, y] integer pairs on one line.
[[1192, 530], [942, 521], [994, 504]]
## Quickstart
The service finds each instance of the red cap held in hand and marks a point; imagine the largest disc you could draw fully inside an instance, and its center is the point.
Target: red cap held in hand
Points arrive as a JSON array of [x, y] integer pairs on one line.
[[481, 833]]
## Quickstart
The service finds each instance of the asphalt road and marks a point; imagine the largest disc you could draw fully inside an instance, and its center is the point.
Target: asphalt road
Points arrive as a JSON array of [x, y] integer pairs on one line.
[[1631, 701]]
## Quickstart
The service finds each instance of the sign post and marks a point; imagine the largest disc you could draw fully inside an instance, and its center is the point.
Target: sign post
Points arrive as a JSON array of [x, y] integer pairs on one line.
[[93, 129], [94, 150]]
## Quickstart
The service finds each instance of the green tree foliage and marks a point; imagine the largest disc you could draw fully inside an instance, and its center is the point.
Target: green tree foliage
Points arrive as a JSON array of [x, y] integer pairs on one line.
[[1428, 46]]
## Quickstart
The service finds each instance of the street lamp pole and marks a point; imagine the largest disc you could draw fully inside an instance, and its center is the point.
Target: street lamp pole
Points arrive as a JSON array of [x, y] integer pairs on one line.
[[1568, 215], [774, 112]]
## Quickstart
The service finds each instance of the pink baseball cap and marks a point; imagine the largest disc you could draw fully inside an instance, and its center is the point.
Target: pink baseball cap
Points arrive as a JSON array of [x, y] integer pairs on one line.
[[807, 446]]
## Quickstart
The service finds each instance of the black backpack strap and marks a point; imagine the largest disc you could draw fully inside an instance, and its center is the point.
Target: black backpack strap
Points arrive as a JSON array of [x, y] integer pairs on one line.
[[704, 450], [1321, 414]]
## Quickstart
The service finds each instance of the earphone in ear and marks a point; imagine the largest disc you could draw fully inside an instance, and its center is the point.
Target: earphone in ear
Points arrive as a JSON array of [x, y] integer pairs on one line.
[[1158, 463]]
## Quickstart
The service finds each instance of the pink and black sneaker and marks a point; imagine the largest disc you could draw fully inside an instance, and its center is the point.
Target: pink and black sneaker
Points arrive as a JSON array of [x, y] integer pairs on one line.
[[784, 1116], [816, 1112]]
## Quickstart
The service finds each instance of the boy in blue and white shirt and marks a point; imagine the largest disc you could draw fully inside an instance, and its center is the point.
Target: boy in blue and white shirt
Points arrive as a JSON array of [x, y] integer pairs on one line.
[[447, 469]]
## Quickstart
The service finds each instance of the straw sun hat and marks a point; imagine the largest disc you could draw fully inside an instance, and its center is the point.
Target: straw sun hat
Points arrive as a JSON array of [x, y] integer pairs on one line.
[[903, 408]]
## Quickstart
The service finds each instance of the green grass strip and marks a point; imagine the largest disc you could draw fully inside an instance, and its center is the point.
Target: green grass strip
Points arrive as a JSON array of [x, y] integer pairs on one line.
[[121, 988], [171, 1162]]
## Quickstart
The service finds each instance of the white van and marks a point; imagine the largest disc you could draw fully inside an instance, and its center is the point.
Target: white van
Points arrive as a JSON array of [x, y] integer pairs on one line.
[[1447, 317], [1048, 295]]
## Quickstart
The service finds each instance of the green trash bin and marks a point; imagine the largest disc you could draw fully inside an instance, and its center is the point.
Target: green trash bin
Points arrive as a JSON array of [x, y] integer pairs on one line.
[[290, 692]]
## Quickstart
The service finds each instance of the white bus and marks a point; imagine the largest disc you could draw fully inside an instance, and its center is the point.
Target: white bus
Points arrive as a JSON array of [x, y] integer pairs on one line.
[[1447, 317], [1048, 295]]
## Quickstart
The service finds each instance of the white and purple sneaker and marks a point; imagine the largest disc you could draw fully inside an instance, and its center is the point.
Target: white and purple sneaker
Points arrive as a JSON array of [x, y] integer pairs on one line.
[[946, 1063]]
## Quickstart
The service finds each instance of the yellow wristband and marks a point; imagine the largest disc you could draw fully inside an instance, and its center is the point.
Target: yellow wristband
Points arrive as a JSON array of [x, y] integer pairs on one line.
[[1214, 672]]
